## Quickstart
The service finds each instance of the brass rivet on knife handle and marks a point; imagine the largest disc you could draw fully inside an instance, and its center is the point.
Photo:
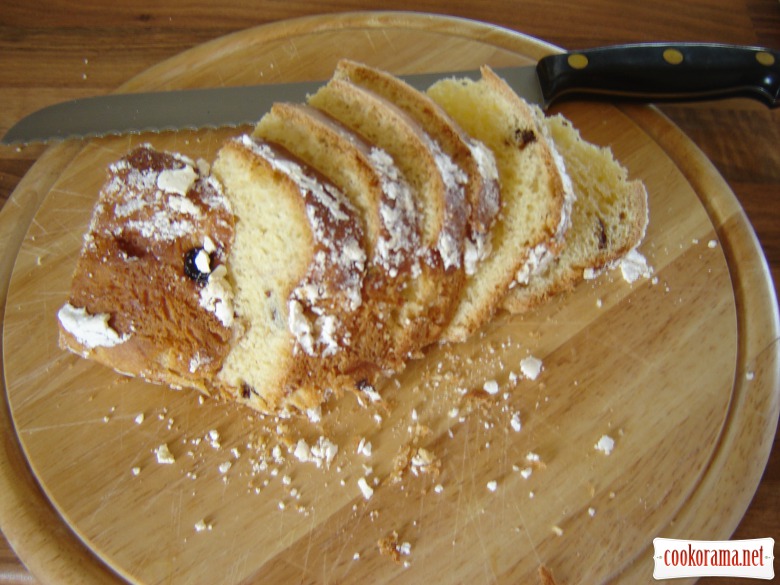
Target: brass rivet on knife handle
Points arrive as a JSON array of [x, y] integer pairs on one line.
[[767, 59], [577, 61], [673, 56]]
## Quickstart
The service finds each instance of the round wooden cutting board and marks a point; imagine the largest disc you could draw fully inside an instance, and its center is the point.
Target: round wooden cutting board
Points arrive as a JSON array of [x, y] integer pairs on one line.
[[681, 370]]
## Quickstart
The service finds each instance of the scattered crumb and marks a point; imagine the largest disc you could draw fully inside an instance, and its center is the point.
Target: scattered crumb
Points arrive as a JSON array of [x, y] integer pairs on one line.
[[712, 244], [749, 376], [365, 489], [364, 448], [164, 456], [516, 423], [634, 266], [135, 471], [201, 526], [606, 444], [591, 512], [557, 530], [390, 547], [492, 485], [321, 454], [139, 418], [491, 387], [531, 367]]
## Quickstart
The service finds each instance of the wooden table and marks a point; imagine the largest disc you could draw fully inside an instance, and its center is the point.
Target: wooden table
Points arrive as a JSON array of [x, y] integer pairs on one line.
[[51, 51]]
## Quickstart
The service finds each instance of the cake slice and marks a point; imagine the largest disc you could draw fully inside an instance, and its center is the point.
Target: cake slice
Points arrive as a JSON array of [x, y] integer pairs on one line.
[[471, 156], [297, 266], [609, 218], [153, 258], [437, 186], [535, 198], [368, 176]]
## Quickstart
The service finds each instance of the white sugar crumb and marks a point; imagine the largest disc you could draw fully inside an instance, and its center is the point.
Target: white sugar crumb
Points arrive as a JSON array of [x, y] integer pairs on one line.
[[492, 485], [213, 438], [531, 367], [591, 512], [314, 414], [139, 418], [364, 448], [749, 376], [606, 444], [164, 456], [533, 457], [557, 530], [491, 387], [136, 471], [438, 488], [712, 244], [516, 424], [634, 266], [365, 489], [526, 472], [225, 467], [321, 453], [202, 526]]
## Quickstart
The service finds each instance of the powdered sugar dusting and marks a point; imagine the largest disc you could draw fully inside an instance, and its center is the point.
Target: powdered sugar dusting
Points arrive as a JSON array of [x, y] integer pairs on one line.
[[397, 212]]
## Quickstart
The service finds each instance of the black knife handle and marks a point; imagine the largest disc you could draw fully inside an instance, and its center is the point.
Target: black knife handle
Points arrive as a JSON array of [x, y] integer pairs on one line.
[[663, 72]]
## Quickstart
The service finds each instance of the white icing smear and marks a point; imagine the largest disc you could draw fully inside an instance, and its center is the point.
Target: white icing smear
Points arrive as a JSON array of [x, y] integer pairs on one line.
[[89, 330]]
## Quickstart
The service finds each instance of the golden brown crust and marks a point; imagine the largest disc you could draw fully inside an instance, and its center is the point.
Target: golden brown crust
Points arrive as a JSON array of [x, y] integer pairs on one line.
[[154, 209]]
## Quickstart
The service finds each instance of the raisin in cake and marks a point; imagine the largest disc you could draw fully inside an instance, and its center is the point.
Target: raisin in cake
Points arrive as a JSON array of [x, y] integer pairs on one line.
[[609, 218], [536, 202]]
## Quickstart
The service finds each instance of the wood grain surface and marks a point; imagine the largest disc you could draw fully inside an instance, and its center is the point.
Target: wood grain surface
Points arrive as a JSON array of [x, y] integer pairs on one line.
[[60, 52]]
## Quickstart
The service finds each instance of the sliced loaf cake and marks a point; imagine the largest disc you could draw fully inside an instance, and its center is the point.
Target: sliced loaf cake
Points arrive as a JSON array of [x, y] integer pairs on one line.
[[437, 186], [376, 187], [297, 266], [535, 200], [471, 156], [609, 217]]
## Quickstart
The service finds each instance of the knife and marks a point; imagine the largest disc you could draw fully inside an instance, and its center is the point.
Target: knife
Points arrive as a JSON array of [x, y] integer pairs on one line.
[[650, 72]]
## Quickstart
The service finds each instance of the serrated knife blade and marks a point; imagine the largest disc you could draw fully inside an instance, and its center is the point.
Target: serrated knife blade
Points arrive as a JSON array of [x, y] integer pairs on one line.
[[649, 72]]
